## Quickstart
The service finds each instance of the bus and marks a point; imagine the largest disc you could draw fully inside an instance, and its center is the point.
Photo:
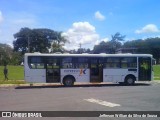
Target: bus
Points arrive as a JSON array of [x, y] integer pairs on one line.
[[88, 68]]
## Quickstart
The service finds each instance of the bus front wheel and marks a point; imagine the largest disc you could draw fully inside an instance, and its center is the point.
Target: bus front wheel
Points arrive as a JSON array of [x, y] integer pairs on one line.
[[130, 80], [68, 81]]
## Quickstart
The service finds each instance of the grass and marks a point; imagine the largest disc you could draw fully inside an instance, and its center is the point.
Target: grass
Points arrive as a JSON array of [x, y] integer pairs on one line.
[[16, 74], [156, 69]]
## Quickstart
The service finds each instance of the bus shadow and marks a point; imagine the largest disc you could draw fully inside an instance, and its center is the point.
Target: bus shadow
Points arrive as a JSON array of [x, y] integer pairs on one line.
[[82, 85]]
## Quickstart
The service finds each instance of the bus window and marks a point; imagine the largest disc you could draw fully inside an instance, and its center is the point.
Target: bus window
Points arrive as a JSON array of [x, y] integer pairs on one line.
[[53, 62], [36, 62], [82, 62], [112, 62], [67, 62], [129, 62]]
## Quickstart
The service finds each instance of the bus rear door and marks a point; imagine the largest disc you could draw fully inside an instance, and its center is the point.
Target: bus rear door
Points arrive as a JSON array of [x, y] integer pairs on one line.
[[96, 70], [145, 68]]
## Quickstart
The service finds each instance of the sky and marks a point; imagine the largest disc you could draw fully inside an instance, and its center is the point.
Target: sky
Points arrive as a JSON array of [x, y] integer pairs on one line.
[[85, 22]]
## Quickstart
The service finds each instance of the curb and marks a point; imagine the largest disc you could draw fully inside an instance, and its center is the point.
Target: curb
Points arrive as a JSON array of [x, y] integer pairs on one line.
[[59, 84], [50, 84], [156, 81], [29, 85]]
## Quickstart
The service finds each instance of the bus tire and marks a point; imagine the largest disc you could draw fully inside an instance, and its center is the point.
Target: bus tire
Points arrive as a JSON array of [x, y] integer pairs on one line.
[[130, 80], [68, 81]]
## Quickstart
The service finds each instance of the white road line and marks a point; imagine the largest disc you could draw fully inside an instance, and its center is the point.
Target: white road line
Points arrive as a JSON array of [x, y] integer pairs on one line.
[[101, 102]]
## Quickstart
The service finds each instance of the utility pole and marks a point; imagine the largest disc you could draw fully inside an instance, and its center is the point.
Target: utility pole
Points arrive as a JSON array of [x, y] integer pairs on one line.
[[80, 45], [80, 48]]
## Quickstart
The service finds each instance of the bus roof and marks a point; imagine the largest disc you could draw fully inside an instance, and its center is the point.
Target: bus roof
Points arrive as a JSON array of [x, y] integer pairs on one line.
[[89, 55]]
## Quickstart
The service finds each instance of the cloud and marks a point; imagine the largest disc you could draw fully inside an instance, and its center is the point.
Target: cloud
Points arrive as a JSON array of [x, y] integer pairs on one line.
[[150, 28], [99, 16], [103, 39], [1, 17], [81, 33]]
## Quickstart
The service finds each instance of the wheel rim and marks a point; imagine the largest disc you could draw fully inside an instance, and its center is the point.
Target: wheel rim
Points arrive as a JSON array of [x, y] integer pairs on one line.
[[68, 82], [130, 81]]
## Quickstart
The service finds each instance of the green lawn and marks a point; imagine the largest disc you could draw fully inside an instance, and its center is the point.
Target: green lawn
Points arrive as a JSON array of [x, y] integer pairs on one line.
[[16, 74], [156, 69]]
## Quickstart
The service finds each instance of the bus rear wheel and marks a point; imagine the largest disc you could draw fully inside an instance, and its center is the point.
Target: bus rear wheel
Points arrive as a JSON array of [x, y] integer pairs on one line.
[[68, 81], [130, 80]]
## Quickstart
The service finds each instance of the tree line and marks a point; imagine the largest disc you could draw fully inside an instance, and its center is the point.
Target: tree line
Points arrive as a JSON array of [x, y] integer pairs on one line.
[[8, 56], [140, 46], [146, 46], [50, 41]]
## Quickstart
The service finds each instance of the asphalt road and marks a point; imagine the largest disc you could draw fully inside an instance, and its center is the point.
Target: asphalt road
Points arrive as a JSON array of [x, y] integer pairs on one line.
[[112, 97]]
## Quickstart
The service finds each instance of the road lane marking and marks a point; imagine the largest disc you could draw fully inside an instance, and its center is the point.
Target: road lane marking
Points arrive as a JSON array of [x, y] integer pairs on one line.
[[101, 102]]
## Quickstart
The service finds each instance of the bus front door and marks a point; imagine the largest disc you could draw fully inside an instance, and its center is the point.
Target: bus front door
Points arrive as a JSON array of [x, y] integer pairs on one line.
[[144, 69], [52, 71], [96, 71]]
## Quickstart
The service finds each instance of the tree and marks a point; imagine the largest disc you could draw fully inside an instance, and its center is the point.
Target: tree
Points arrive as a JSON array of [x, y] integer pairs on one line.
[[60, 39], [23, 40], [118, 37], [16, 59], [36, 40], [116, 41], [109, 46], [5, 54], [56, 47], [57, 44], [102, 47]]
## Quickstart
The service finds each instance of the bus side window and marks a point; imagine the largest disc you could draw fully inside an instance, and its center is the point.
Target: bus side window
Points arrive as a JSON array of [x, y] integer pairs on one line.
[[36, 62], [112, 62], [82, 62], [128, 62], [67, 62]]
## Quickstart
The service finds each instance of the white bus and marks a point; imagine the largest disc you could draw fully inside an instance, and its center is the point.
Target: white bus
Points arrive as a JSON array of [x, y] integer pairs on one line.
[[70, 68]]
